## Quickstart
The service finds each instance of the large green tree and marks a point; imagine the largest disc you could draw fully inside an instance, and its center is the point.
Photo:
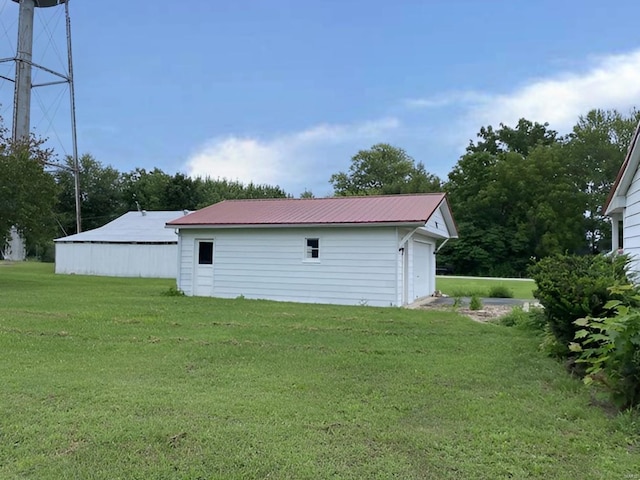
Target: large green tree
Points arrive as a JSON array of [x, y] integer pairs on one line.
[[384, 169], [513, 198], [142, 189], [596, 148], [519, 139], [523, 192], [27, 191], [100, 194]]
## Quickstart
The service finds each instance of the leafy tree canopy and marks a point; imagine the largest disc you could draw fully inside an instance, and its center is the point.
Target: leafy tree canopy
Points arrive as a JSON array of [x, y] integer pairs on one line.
[[525, 136], [27, 191], [595, 149], [384, 169]]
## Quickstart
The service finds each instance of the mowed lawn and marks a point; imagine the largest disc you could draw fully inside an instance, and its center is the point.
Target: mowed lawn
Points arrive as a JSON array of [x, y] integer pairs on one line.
[[111, 379], [455, 286]]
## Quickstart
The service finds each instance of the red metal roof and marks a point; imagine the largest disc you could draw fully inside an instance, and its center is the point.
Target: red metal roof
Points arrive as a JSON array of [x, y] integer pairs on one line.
[[404, 209]]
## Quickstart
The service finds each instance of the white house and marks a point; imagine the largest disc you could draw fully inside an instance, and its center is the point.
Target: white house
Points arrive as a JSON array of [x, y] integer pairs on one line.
[[623, 205], [137, 244], [15, 249], [375, 250]]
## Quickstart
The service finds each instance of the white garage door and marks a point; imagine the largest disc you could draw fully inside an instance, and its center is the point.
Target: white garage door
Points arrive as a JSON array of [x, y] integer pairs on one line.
[[422, 258]]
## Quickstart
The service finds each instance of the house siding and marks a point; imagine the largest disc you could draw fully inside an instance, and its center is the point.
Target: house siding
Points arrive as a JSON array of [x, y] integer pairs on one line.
[[356, 265], [116, 260], [631, 222], [437, 224]]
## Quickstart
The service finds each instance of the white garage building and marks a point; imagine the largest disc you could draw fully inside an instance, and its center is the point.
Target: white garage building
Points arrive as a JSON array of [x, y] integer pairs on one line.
[[137, 244], [375, 250]]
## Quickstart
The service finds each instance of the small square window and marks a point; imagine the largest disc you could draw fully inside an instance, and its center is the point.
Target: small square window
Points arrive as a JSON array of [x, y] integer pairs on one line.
[[205, 253], [313, 248]]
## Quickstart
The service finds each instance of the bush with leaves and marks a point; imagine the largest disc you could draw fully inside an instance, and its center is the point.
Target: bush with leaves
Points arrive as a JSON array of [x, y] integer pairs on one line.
[[610, 348], [475, 303], [570, 287], [533, 319], [500, 291]]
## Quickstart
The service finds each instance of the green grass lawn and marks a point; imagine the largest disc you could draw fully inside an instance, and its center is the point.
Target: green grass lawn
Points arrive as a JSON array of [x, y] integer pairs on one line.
[[468, 286], [110, 379]]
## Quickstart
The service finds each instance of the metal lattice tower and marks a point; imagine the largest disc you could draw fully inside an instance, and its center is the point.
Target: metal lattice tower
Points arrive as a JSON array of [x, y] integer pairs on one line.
[[23, 83]]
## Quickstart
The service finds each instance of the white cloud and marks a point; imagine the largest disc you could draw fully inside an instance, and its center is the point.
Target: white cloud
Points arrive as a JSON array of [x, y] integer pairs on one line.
[[235, 158], [463, 97], [341, 133], [607, 82], [610, 82], [294, 161]]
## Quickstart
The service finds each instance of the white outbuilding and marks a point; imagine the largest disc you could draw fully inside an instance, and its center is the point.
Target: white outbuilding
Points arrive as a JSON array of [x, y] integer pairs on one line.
[[137, 244], [374, 250]]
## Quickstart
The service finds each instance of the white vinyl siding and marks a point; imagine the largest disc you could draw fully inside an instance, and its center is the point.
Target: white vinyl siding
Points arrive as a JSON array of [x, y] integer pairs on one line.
[[358, 265], [437, 224], [116, 259], [631, 222], [186, 264]]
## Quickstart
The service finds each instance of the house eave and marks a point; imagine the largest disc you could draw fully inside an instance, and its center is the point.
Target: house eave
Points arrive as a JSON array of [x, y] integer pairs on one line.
[[616, 205], [413, 224]]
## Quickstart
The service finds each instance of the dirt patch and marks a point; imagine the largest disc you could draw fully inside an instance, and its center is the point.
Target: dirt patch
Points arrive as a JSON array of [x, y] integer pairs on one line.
[[488, 312], [485, 314]]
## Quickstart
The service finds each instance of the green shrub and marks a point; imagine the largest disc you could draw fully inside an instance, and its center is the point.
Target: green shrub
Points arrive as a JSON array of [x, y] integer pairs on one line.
[[552, 347], [475, 303], [500, 291], [610, 347], [173, 292], [537, 319], [570, 287], [516, 317], [532, 320]]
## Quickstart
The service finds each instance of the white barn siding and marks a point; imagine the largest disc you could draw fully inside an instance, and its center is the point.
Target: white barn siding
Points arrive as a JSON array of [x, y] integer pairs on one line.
[[116, 259], [631, 222], [356, 265]]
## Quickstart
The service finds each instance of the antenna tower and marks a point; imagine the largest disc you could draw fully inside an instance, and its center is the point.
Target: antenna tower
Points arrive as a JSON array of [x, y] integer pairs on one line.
[[23, 83]]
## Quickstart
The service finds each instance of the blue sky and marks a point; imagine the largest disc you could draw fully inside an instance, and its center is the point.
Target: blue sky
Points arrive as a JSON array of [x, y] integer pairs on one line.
[[286, 92]]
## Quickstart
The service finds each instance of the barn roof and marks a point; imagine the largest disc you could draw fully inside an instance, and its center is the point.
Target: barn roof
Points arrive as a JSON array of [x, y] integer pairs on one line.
[[390, 209], [132, 227]]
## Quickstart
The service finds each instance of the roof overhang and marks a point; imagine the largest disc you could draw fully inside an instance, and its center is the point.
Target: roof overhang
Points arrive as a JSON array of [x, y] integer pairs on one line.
[[617, 199], [119, 242], [448, 218], [209, 226]]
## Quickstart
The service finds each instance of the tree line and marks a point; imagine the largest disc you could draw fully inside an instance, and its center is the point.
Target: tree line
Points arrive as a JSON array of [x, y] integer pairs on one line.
[[38, 196], [107, 193], [517, 193]]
